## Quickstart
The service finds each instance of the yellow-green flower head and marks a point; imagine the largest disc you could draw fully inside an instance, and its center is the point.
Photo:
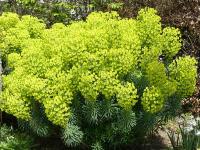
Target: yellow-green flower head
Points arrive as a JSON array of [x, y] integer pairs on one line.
[[152, 100]]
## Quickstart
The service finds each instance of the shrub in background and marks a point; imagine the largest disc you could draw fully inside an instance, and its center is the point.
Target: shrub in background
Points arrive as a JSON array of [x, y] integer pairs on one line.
[[49, 11], [53, 11], [104, 82]]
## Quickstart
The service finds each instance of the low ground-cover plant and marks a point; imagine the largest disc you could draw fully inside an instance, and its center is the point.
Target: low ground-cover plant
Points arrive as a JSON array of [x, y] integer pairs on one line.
[[184, 132], [104, 81], [12, 140]]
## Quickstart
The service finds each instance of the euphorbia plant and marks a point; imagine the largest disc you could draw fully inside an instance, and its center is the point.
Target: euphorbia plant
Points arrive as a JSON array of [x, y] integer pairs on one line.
[[93, 78]]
